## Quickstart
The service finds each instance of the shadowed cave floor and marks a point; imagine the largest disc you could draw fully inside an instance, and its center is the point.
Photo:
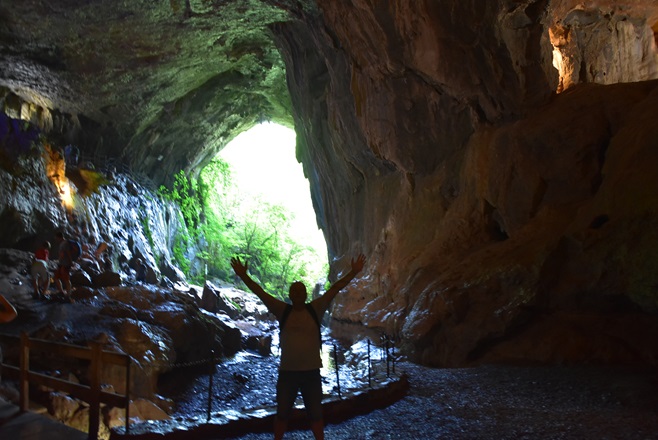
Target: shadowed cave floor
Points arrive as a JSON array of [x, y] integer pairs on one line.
[[496, 402]]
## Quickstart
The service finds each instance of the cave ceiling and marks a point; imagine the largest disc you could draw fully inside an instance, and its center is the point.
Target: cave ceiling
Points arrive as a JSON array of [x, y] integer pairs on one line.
[[165, 85], [162, 85]]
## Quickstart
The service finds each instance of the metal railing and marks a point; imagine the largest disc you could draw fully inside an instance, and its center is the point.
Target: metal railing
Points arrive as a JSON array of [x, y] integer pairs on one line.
[[92, 393], [378, 355]]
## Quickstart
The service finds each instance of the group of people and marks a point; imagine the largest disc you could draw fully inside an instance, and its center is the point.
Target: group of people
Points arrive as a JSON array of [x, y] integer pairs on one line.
[[68, 251], [62, 276]]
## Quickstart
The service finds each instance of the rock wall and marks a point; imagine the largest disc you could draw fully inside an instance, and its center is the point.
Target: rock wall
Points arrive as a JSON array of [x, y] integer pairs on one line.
[[502, 222], [494, 160], [119, 211]]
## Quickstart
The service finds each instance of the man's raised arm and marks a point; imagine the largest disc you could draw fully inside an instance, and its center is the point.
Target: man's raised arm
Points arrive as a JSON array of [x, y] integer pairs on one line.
[[273, 305], [357, 266]]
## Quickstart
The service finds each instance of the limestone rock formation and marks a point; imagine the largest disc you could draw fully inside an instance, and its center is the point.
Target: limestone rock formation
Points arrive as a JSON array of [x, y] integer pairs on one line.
[[495, 160], [151, 324]]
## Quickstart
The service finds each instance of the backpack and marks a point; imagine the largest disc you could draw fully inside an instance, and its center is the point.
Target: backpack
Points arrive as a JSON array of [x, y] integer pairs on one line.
[[310, 309], [74, 249]]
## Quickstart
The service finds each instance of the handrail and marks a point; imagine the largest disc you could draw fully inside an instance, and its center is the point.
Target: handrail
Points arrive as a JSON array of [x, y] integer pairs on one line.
[[91, 394]]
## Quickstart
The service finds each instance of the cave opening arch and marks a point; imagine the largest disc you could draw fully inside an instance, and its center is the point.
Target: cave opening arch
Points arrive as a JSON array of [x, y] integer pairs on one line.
[[258, 206]]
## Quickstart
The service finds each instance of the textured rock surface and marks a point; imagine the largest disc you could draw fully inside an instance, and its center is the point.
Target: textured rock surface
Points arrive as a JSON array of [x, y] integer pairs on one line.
[[151, 324], [129, 79], [503, 221], [498, 229]]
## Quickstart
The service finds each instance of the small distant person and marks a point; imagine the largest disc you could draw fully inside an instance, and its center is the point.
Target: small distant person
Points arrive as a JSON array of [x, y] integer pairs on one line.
[[64, 264], [141, 271], [299, 368], [39, 270]]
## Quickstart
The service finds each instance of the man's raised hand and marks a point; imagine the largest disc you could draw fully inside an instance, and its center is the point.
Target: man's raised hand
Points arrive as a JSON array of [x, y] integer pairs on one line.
[[357, 265], [239, 268]]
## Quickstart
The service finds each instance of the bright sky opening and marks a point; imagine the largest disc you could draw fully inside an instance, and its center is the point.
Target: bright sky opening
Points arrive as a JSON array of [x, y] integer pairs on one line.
[[264, 163]]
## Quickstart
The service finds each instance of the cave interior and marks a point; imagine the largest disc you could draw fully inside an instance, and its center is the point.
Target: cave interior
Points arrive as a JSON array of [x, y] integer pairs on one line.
[[494, 160]]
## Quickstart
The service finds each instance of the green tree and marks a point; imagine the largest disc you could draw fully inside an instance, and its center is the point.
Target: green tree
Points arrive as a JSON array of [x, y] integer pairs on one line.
[[223, 223]]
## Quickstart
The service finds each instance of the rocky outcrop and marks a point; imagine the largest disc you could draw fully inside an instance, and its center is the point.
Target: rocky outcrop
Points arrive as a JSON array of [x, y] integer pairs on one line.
[[492, 159], [151, 324], [495, 226]]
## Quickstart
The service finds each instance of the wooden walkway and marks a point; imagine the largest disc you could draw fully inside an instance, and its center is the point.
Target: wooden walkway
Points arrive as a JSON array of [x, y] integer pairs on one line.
[[15, 425]]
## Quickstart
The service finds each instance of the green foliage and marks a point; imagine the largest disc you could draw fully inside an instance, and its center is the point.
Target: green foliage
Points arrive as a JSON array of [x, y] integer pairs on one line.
[[178, 251], [146, 227], [185, 193], [224, 225], [255, 230]]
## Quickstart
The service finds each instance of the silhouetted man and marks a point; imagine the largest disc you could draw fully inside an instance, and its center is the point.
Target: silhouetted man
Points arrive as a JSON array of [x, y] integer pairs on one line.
[[299, 368]]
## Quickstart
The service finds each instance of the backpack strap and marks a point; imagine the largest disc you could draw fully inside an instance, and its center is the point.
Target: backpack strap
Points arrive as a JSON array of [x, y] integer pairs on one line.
[[284, 317], [311, 311], [314, 315]]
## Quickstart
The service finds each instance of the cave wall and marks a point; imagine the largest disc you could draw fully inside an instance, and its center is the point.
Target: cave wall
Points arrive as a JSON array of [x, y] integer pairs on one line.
[[494, 160], [502, 221]]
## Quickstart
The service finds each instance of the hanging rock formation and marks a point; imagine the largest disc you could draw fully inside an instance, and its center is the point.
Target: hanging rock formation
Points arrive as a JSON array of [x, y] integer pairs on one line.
[[494, 160]]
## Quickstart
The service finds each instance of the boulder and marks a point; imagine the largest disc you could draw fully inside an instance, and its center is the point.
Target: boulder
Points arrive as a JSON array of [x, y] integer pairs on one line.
[[254, 338], [212, 300], [172, 272], [80, 278], [107, 279]]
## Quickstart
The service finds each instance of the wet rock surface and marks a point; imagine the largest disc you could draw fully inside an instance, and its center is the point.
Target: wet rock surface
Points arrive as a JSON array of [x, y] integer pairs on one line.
[[504, 402], [484, 402]]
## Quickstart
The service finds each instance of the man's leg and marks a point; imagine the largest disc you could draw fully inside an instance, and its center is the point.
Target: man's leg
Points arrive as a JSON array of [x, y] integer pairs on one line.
[[312, 394], [280, 427], [286, 392], [317, 427], [58, 279], [66, 276], [37, 288], [46, 285]]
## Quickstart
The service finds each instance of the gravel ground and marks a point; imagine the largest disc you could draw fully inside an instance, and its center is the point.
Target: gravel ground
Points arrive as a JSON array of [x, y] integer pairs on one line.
[[502, 402]]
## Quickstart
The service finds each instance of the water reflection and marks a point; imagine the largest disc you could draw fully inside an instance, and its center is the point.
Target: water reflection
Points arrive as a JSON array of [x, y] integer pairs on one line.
[[359, 352], [247, 381]]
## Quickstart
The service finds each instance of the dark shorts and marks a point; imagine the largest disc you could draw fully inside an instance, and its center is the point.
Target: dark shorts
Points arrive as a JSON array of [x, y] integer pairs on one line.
[[63, 273], [290, 383]]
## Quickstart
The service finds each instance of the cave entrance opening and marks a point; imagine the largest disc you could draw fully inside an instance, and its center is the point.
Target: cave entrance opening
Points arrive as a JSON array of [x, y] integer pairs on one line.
[[266, 204]]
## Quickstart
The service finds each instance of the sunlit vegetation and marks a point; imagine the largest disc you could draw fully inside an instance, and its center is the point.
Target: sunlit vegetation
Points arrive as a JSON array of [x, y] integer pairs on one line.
[[224, 223]]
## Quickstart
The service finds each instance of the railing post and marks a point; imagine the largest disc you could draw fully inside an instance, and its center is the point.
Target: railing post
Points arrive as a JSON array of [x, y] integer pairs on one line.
[[210, 383], [24, 373], [128, 378], [393, 355], [369, 368], [337, 374], [388, 359], [95, 389]]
